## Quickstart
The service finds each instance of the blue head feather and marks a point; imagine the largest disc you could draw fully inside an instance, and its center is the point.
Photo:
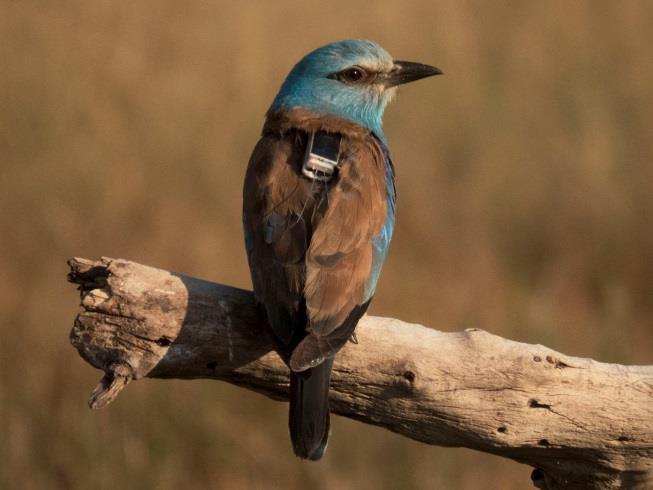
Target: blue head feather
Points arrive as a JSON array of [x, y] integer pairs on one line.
[[308, 85]]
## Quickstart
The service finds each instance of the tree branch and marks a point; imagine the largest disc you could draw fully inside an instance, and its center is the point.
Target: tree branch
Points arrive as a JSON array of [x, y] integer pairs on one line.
[[580, 423]]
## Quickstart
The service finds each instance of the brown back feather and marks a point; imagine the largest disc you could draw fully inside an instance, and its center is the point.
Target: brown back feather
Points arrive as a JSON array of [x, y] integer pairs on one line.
[[311, 243]]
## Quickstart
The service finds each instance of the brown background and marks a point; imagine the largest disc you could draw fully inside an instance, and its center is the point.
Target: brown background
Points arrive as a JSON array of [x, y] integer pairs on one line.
[[524, 179]]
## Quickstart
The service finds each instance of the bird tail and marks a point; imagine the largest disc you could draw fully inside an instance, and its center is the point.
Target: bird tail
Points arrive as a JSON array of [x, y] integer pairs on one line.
[[309, 410]]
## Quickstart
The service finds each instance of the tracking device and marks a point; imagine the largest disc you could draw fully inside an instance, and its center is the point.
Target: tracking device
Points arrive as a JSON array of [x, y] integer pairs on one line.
[[322, 154]]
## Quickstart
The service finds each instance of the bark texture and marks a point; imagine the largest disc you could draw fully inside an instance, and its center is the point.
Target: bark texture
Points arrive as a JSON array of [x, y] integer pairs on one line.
[[580, 423]]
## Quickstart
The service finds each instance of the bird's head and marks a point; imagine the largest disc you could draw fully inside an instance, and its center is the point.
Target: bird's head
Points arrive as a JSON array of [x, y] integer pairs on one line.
[[353, 80]]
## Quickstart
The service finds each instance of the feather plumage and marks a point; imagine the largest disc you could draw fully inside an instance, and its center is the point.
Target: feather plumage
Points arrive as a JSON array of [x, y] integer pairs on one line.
[[315, 249]]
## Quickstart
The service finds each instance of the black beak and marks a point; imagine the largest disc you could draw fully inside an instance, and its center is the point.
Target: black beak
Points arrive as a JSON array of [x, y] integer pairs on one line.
[[407, 71]]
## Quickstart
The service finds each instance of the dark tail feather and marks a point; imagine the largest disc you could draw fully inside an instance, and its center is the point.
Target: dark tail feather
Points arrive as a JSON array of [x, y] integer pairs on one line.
[[309, 410]]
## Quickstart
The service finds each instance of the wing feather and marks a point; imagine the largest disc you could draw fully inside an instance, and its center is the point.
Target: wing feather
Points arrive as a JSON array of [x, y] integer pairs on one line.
[[313, 254], [341, 254]]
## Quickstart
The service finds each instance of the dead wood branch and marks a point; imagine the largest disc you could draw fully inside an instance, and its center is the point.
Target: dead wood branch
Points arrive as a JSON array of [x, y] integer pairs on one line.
[[581, 423]]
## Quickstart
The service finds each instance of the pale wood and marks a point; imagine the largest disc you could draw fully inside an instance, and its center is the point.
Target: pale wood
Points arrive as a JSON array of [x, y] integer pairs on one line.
[[581, 423]]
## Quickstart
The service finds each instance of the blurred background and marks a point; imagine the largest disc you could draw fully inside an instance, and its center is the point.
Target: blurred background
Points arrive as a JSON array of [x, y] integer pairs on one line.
[[525, 198]]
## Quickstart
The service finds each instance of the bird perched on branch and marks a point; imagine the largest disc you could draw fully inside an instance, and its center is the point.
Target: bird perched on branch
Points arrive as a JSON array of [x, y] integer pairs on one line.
[[318, 214]]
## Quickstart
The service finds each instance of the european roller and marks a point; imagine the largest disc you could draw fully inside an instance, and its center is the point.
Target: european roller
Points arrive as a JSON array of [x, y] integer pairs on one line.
[[318, 214]]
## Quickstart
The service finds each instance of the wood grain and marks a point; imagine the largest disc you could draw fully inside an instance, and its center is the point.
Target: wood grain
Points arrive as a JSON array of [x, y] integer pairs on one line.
[[580, 423]]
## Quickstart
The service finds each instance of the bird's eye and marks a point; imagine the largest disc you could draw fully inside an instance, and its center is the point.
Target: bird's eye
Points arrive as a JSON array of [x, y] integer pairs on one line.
[[351, 75]]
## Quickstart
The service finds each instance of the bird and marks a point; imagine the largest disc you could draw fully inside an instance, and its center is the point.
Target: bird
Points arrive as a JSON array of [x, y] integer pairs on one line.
[[318, 215]]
